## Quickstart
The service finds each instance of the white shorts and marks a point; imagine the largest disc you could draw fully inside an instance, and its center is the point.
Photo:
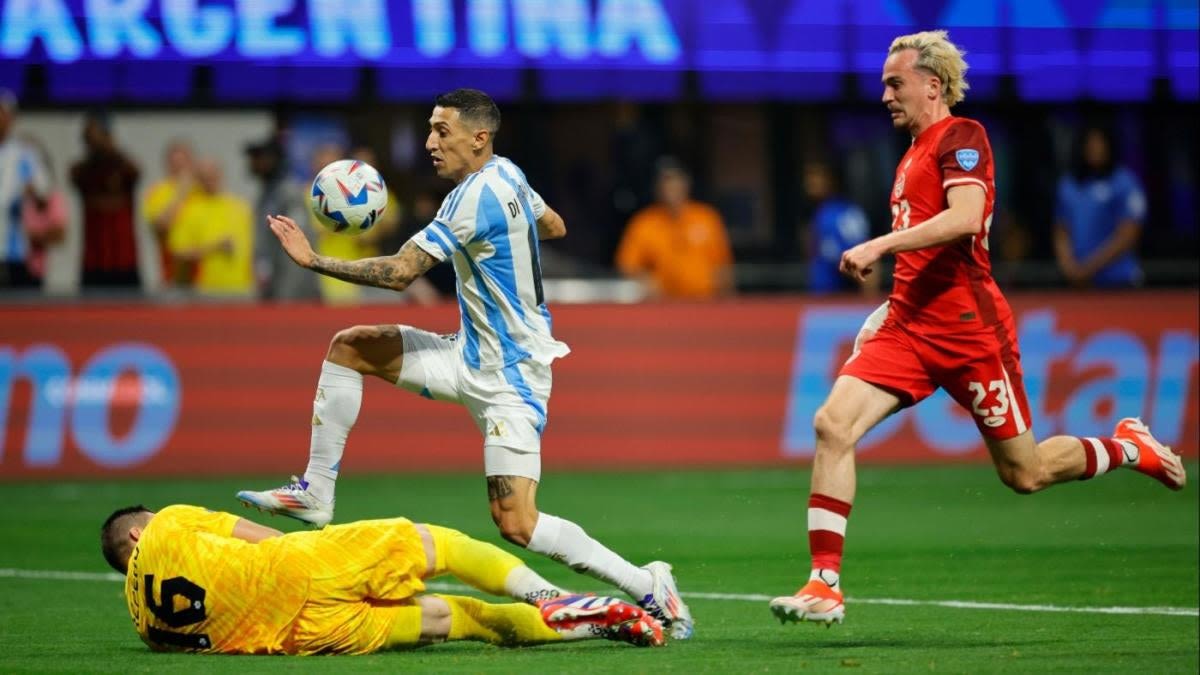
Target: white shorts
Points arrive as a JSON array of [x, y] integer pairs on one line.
[[509, 405]]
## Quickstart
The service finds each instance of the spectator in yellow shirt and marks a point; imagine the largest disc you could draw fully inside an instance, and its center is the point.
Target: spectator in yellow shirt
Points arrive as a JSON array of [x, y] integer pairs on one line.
[[165, 200], [678, 247], [344, 246], [212, 238]]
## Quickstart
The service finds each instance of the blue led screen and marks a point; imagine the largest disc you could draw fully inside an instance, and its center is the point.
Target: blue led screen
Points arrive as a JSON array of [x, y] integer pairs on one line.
[[583, 49]]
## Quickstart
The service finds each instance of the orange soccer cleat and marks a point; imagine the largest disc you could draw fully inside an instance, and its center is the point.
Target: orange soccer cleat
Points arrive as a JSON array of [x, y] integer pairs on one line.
[[1154, 459], [817, 602]]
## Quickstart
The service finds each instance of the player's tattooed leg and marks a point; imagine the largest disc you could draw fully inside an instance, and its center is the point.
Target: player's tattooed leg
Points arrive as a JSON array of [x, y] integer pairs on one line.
[[499, 487]]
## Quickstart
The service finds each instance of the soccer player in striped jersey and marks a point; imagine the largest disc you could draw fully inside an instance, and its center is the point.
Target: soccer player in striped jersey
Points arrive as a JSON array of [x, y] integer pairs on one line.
[[497, 366], [946, 324], [203, 581]]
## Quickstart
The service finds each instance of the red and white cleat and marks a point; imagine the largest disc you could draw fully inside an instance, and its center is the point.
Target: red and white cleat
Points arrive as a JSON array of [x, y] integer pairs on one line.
[[1154, 459], [584, 616], [816, 602]]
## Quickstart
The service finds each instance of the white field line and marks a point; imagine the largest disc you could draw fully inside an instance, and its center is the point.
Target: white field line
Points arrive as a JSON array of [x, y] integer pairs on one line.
[[60, 575]]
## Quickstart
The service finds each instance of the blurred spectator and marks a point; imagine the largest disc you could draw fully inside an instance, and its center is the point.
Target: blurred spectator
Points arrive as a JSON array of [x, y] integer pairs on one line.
[[45, 219], [836, 225], [633, 148], [345, 247], [1099, 216], [678, 247], [22, 177], [213, 237], [166, 198], [105, 179], [440, 279], [277, 278]]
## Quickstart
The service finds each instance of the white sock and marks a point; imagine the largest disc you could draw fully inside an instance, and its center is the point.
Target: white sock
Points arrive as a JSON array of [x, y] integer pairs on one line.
[[525, 585], [830, 577], [567, 543], [335, 409]]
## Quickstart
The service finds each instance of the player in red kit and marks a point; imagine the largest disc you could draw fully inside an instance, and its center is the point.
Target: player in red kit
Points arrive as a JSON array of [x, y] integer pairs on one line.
[[946, 324]]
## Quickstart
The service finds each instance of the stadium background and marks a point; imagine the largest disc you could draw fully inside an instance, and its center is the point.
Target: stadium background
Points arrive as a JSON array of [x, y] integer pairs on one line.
[[103, 385]]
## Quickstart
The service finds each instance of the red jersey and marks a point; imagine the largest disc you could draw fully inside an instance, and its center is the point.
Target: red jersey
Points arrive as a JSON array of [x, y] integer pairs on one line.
[[106, 182], [948, 288]]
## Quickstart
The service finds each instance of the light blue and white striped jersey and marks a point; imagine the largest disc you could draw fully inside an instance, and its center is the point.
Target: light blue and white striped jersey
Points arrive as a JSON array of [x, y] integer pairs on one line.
[[488, 227], [19, 168]]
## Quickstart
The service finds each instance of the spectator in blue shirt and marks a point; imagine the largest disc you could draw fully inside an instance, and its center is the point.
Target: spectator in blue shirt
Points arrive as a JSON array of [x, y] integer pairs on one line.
[[836, 224], [1099, 216], [22, 177]]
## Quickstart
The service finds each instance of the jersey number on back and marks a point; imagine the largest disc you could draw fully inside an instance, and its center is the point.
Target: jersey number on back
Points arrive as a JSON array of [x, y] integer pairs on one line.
[[192, 613], [514, 209]]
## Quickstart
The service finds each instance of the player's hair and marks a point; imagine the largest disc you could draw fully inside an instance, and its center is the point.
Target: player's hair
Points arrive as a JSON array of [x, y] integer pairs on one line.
[[940, 57], [832, 169], [113, 540], [474, 107]]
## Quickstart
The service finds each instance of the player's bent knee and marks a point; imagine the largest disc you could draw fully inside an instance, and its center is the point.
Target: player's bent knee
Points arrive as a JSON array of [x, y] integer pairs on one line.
[[833, 432], [1022, 481], [342, 349], [435, 617]]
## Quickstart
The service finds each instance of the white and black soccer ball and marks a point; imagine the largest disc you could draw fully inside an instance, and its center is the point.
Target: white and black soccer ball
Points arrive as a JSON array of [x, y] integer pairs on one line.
[[348, 196]]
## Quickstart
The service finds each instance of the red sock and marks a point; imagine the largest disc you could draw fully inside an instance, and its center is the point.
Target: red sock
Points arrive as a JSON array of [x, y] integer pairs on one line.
[[1102, 454], [827, 531]]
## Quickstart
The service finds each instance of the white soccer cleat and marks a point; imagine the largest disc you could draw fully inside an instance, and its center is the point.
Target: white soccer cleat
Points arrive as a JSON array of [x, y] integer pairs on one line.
[[663, 602], [816, 602], [292, 500]]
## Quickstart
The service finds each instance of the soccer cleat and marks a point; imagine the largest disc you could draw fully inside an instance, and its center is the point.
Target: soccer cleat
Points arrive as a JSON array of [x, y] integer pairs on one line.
[[582, 616], [815, 602], [1154, 459], [292, 500], [663, 601]]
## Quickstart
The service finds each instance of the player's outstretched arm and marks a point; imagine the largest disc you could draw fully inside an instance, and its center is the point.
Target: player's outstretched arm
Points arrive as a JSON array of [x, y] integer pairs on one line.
[[551, 225], [394, 271]]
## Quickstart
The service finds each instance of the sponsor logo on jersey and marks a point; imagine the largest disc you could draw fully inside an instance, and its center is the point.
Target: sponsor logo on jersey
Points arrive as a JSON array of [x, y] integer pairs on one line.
[[967, 158], [994, 422], [899, 188], [497, 428]]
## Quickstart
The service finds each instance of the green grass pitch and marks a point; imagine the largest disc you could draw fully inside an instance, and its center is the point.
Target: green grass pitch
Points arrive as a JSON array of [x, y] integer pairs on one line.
[[916, 534]]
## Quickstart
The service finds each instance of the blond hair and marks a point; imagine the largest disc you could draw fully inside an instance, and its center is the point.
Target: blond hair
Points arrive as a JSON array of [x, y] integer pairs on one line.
[[937, 55]]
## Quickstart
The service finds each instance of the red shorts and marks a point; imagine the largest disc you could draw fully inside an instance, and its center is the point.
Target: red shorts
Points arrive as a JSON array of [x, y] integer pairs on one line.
[[981, 370]]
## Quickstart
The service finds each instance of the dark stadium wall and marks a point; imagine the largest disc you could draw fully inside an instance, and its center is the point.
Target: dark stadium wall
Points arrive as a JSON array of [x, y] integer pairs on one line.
[[103, 391]]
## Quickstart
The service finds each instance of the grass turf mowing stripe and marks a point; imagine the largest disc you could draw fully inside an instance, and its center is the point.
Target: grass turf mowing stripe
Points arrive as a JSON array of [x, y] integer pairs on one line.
[[64, 575]]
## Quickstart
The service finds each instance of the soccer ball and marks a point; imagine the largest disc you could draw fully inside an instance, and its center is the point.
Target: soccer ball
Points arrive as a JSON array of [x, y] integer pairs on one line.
[[348, 196]]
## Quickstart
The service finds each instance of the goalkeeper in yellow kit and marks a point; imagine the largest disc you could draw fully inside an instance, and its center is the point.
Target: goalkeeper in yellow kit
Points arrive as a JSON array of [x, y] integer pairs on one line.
[[205, 581]]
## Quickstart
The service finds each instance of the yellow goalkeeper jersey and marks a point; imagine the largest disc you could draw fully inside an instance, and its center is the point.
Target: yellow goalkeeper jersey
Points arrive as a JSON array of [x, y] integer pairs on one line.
[[192, 586]]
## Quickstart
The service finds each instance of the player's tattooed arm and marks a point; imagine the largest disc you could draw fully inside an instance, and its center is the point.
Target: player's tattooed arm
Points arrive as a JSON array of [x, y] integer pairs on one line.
[[394, 271]]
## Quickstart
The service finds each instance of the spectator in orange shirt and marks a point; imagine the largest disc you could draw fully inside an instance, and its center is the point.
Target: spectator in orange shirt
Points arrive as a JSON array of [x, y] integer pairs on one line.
[[678, 247]]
